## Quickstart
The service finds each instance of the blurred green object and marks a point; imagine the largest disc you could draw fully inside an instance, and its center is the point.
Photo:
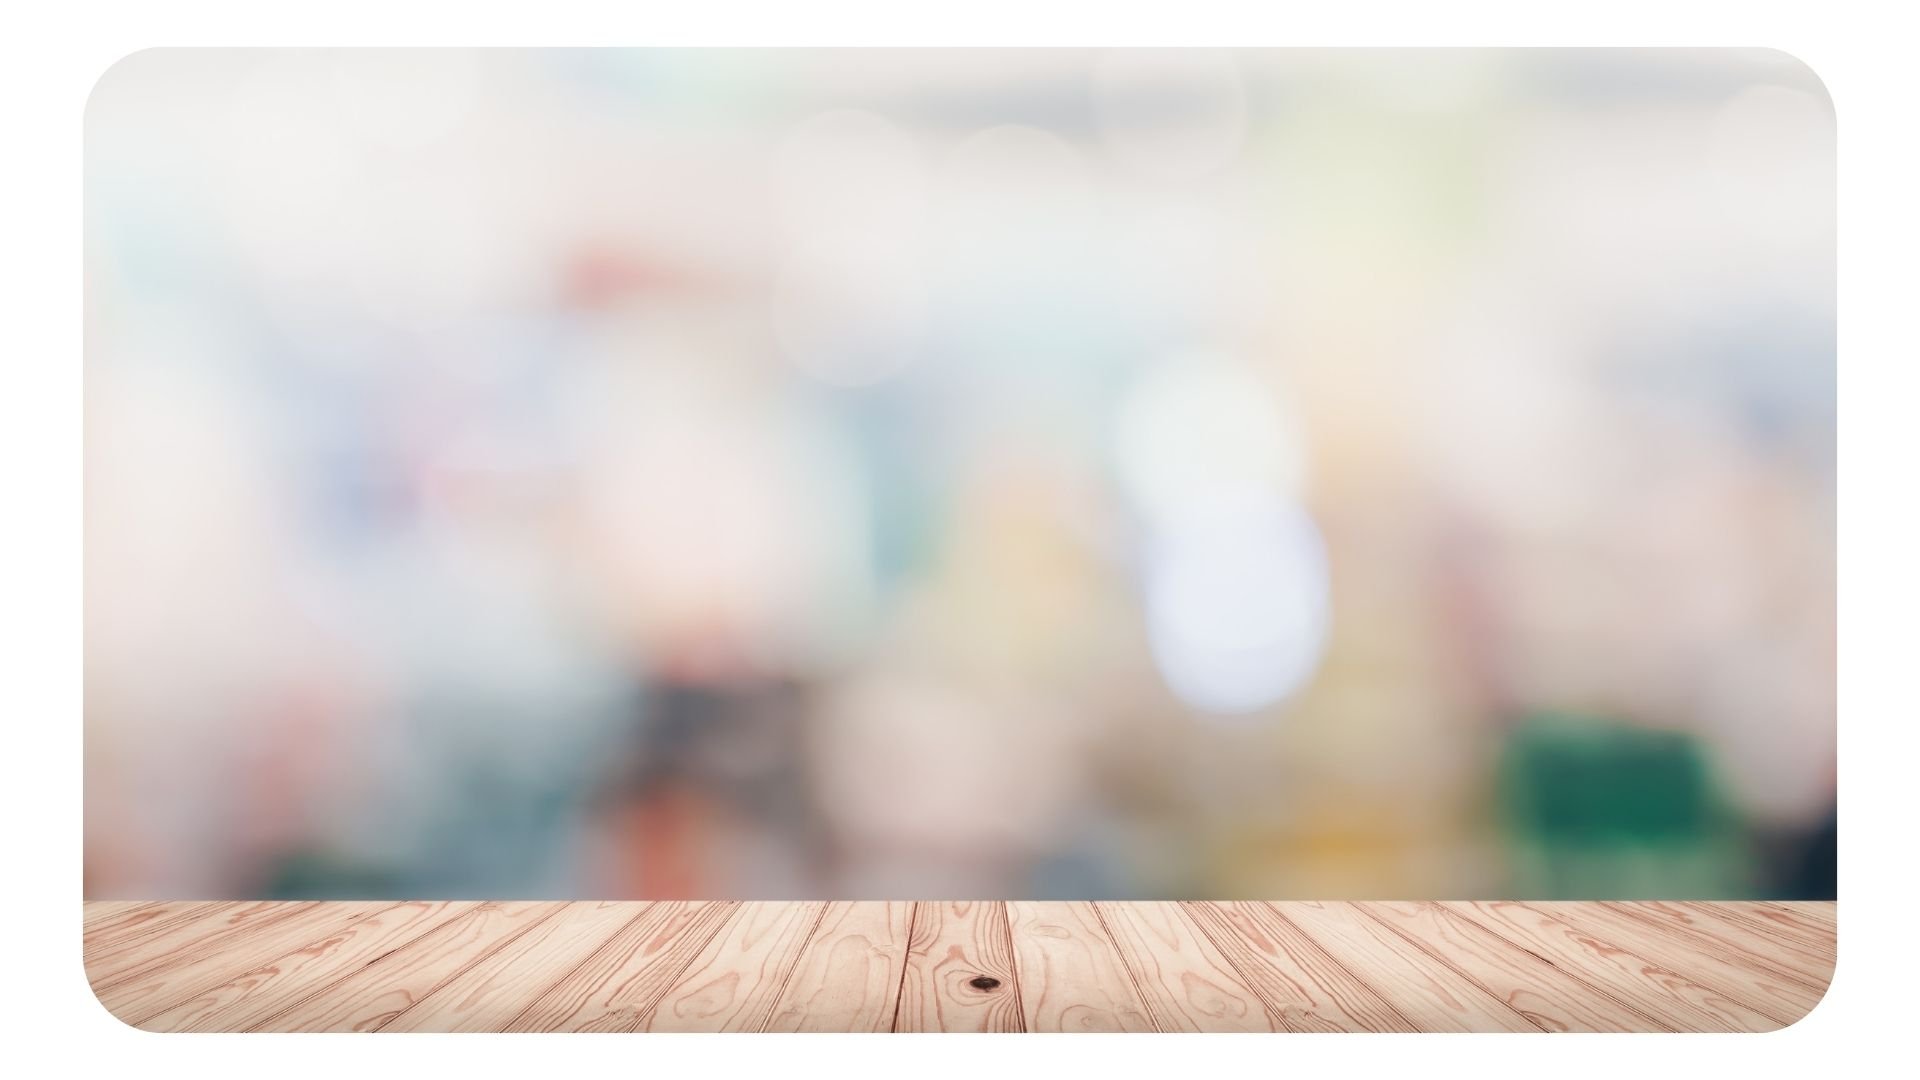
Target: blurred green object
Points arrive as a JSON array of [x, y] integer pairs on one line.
[[315, 875], [1601, 809]]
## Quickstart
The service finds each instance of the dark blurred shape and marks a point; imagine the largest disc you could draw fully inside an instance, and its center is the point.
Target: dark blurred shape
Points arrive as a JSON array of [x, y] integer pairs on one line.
[[709, 768], [1802, 864], [1601, 804]]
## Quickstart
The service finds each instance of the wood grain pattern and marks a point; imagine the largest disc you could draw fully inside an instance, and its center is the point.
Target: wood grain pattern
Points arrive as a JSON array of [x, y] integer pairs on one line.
[[100, 911], [1071, 974], [1766, 948], [1817, 913], [1754, 978], [1617, 971], [180, 969], [501, 985], [1428, 992], [958, 966], [616, 988], [1800, 925], [1545, 994], [1183, 979], [953, 945], [737, 979], [389, 984], [257, 995], [1306, 987], [119, 926], [177, 942], [848, 978]]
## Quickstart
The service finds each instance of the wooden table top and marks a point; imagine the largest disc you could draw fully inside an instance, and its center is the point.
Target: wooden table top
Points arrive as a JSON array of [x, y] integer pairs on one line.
[[958, 966]]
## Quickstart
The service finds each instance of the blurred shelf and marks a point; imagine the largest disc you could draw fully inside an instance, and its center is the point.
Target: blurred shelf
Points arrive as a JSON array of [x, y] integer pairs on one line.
[[958, 966]]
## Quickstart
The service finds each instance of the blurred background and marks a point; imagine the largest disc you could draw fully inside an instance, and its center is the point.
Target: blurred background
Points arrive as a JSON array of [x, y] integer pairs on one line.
[[942, 474]]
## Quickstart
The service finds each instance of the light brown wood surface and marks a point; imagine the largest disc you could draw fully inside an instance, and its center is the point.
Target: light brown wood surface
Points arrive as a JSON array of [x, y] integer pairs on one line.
[[958, 966]]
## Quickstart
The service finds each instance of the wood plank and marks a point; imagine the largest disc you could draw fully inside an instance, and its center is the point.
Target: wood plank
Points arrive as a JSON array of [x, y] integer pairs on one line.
[[1071, 977], [180, 940], [848, 978], [736, 980], [1702, 958], [94, 912], [368, 997], [1429, 993], [258, 994], [877, 966], [1184, 980], [1307, 988], [194, 967], [1815, 941], [1815, 913], [617, 987], [1536, 989], [1687, 1003], [502, 985], [1711, 933], [102, 937], [954, 945], [1728, 922], [1759, 944]]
